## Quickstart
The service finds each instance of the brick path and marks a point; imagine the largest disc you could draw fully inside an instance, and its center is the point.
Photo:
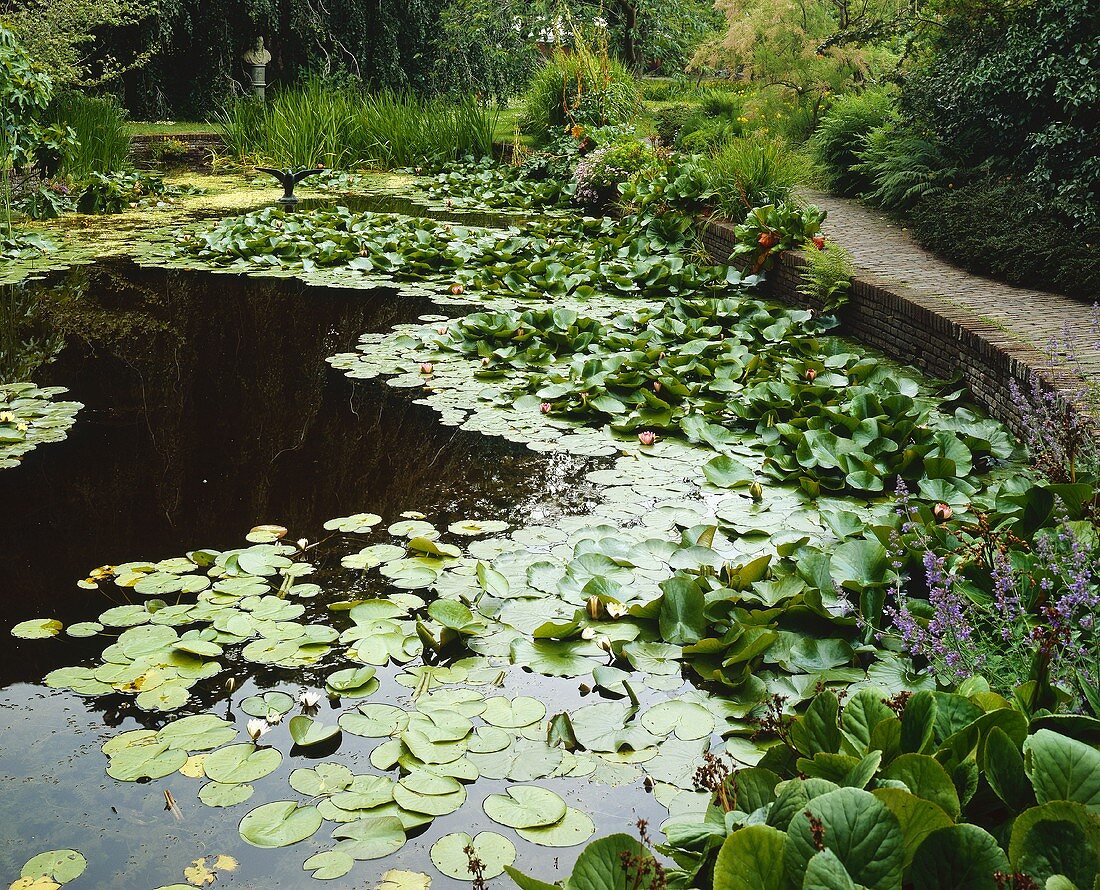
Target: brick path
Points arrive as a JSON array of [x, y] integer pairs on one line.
[[1017, 316]]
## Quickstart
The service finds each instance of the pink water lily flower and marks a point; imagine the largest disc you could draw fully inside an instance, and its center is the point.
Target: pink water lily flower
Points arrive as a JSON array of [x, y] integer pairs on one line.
[[647, 437]]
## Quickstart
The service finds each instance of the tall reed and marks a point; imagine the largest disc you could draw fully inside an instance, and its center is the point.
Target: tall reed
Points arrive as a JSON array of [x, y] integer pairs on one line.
[[102, 143], [316, 123]]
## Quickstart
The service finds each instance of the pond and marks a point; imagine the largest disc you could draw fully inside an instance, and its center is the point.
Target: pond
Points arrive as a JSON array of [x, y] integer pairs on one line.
[[456, 560], [208, 408]]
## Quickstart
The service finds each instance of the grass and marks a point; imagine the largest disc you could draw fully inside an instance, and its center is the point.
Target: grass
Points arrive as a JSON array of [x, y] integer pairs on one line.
[[170, 128]]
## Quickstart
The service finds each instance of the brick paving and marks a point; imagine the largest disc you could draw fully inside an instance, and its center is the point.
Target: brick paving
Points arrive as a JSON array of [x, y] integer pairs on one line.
[[1016, 319]]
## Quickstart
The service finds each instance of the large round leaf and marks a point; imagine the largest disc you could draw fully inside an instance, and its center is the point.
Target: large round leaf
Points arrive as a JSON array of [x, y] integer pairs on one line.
[[959, 857], [751, 859], [279, 824], [525, 806], [241, 763], [491, 849], [859, 829]]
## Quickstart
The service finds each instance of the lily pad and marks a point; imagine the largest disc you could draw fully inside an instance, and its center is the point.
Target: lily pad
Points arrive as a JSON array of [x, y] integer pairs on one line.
[[494, 851], [525, 806], [279, 824]]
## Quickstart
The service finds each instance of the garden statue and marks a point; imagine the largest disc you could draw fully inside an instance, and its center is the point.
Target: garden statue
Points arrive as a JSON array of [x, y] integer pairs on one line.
[[257, 59], [288, 179]]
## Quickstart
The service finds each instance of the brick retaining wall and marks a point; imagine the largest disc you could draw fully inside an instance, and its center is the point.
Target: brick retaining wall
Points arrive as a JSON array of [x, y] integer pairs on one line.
[[920, 329]]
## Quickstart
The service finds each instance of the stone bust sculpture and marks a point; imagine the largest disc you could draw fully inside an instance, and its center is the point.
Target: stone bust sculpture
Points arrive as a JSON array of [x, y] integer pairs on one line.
[[257, 55]]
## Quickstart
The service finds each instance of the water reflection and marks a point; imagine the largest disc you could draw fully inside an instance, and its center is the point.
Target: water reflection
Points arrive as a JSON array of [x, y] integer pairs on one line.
[[209, 408]]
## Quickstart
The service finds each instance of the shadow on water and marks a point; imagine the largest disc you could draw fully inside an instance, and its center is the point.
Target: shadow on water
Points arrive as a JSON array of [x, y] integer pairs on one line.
[[209, 409]]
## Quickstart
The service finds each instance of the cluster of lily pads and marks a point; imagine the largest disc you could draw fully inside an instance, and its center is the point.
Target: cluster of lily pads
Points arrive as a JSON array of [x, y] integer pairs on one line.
[[30, 416], [551, 258]]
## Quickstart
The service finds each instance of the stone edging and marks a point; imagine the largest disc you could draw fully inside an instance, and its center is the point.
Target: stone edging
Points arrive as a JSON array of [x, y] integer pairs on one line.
[[919, 329]]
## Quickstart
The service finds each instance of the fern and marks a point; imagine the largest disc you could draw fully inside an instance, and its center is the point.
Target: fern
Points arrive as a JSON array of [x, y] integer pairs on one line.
[[902, 167], [827, 280]]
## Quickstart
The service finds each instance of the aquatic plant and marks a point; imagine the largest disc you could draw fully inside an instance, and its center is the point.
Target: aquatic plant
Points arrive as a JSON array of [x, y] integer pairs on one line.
[[927, 790], [30, 416]]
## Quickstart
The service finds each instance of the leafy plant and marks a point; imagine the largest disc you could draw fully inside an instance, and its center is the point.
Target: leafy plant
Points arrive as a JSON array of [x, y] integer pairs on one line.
[[841, 137], [602, 173], [585, 87], [827, 276], [771, 229], [749, 172], [901, 167], [113, 193], [100, 141], [931, 789]]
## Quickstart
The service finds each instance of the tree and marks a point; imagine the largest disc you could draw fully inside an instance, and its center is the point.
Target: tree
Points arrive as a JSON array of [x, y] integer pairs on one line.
[[73, 39]]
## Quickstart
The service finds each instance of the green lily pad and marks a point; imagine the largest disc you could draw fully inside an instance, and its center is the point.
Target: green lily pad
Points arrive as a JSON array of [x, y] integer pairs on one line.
[[241, 763], [494, 851], [525, 806], [574, 828], [60, 866], [37, 629], [279, 824]]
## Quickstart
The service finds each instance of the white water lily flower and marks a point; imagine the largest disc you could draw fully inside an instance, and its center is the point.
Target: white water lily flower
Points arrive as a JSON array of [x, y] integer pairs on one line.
[[257, 728], [309, 699]]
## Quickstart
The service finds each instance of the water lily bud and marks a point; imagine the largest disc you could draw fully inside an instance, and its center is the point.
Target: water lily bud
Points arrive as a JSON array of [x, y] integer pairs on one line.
[[604, 642], [302, 543], [588, 634], [810, 374], [942, 512], [656, 385], [584, 688], [595, 608], [442, 329], [426, 368], [756, 490], [546, 407], [485, 362], [230, 685], [457, 289], [647, 437]]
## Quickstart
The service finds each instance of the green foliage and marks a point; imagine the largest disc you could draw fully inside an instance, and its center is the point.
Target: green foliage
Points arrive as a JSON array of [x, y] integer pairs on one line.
[[1001, 227], [827, 276], [585, 88], [101, 143], [318, 123], [900, 166], [769, 230], [1016, 89], [480, 50], [602, 173], [839, 801], [841, 136], [750, 172], [47, 201], [116, 192]]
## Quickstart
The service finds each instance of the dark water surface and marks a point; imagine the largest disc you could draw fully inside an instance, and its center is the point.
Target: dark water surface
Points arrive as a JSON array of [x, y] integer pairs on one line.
[[209, 409]]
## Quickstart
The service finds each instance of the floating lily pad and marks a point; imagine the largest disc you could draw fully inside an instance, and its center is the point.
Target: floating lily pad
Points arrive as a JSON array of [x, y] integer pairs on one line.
[[494, 851], [37, 629], [241, 763], [61, 866], [525, 806], [574, 828], [279, 824]]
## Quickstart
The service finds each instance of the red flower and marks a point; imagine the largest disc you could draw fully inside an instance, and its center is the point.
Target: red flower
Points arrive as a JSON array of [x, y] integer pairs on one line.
[[819, 242]]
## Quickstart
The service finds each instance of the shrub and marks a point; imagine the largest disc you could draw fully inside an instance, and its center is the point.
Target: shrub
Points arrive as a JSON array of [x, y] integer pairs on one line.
[[670, 121], [702, 134], [1016, 88], [901, 166], [842, 134], [585, 87], [102, 144], [722, 103], [749, 172], [1002, 227], [601, 172]]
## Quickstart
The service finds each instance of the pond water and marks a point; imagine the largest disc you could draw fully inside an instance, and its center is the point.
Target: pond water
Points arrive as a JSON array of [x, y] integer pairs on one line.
[[515, 553], [209, 408]]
